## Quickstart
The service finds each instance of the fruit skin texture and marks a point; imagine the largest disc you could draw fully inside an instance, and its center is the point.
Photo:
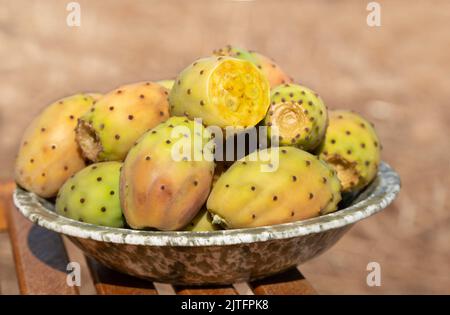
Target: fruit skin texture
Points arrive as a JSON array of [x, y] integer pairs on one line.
[[202, 223], [48, 153], [301, 187], [168, 84], [269, 68], [223, 91], [159, 191], [92, 195], [352, 147], [300, 115], [109, 129]]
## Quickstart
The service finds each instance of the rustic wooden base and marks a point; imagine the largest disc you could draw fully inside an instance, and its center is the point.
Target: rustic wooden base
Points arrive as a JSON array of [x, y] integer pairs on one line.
[[41, 257]]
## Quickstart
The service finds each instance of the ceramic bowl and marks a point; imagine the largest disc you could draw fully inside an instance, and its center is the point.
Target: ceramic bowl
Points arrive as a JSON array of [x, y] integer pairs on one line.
[[219, 257]]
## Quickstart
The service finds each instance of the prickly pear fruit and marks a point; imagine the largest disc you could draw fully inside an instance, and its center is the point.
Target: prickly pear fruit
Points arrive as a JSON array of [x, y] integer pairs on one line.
[[300, 187], [269, 68], [299, 114], [109, 129], [202, 223], [92, 195], [167, 176], [352, 147], [223, 91], [95, 96], [49, 154], [168, 84], [220, 168]]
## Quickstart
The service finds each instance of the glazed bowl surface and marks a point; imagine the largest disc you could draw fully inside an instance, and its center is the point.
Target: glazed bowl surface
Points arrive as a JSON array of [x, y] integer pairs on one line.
[[218, 257]]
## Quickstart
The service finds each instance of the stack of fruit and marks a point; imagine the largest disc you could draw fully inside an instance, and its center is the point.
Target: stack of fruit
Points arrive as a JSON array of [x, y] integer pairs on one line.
[[143, 155]]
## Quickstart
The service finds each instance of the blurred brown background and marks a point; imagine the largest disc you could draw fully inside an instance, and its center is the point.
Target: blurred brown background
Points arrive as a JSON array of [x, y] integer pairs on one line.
[[396, 74]]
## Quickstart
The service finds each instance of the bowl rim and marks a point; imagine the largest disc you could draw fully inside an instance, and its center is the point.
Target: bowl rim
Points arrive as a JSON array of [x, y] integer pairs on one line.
[[378, 195]]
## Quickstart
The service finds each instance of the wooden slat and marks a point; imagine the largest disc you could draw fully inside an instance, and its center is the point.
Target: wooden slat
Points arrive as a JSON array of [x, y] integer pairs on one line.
[[289, 282], [243, 288], [75, 254], [164, 288], [6, 189], [39, 256], [206, 290], [108, 281], [8, 278]]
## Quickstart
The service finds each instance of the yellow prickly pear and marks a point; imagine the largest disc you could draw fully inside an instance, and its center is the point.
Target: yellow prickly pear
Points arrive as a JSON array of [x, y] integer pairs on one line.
[[49, 154], [268, 67], [110, 128], [202, 222], [299, 187], [351, 146], [223, 91]]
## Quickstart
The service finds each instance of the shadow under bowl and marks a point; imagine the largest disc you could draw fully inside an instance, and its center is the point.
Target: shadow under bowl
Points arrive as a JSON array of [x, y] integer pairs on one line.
[[218, 257]]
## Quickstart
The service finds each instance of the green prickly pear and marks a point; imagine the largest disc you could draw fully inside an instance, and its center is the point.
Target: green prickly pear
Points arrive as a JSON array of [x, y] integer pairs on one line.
[[268, 67], [92, 195], [167, 175], [48, 153], [352, 147], [299, 114], [300, 187], [109, 129], [223, 91]]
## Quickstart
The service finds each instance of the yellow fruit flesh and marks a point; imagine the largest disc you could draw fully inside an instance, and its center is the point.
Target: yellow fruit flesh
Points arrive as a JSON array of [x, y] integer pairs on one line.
[[239, 92]]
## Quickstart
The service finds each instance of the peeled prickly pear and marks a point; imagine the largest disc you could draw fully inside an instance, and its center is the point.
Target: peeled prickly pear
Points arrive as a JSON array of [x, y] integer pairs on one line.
[[92, 195], [352, 147], [109, 129], [223, 91], [269, 68], [299, 187], [49, 154], [299, 114], [167, 175]]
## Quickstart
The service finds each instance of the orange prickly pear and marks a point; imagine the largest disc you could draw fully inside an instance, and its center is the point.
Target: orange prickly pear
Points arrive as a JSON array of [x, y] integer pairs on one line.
[[167, 175]]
